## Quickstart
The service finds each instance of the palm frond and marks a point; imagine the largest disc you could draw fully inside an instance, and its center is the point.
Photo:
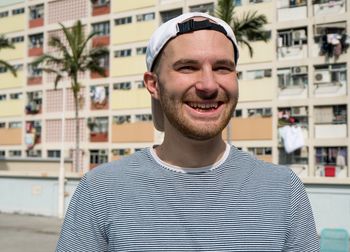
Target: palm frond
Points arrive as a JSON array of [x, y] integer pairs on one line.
[[8, 67], [225, 10]]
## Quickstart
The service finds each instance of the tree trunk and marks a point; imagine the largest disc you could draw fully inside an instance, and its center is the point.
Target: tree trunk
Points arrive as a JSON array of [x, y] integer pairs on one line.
[[77, 131]]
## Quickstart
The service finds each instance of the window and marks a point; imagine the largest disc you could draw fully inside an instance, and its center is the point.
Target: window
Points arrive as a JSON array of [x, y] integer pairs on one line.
[[294, 37], [122, 86], [17, 11], [330, 155], [2, 125], [2, 153], [121, 152], [206, 8], [122, 21], [145, 17], [258, 74], [15, 153], [143, 117], [34, 71], [257, 112], [4, 14], [34, 153], [299, 156], [3, 69], [141, 50], [122, 53], [237, 113], [121, 119], [98, 3], [292, 77], [260, 151], [167, 15], [18, 67], [53, 153], [101, 28], [36, 11], [336, 114], [332, 73], [2, 97], [16, 125], [140, 84], [16, 96], [17, 39], [36, 40], [98, 124], [98, 156]]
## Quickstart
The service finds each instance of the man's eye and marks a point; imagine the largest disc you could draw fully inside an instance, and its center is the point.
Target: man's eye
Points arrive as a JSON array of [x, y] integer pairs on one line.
[[224, 69], [186, 69]]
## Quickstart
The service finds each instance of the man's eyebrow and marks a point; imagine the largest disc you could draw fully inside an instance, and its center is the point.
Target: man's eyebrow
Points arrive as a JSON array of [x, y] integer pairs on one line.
[[184, 62], [226, 62]]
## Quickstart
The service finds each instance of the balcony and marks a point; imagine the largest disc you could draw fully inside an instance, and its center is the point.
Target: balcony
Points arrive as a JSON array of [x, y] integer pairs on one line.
[[36, 15], [251, 128], [95, 75], [99, 98], [101, 9], [331, 171], [100, 41], [10, 136], [330, 80], [32, 134], [260, 89], [36, 22], [291, 10], [330, 122], [326, 7], [133, 132], [293, 83], [35, 51], [34, 80], [98, 137], [98, 129], [33, 108]]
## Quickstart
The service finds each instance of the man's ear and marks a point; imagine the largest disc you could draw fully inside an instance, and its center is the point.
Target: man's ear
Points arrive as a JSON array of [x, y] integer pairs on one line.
[[151, 82]]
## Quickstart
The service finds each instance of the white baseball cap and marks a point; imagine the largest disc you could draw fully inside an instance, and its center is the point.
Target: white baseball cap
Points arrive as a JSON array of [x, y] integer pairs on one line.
[[174, 27]]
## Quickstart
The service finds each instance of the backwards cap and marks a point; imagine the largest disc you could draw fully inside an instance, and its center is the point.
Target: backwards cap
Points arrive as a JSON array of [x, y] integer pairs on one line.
[[173, 28]]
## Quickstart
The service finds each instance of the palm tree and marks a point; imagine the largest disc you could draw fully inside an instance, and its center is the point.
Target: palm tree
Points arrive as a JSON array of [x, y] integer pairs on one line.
[[5, 43], [69, 60], [246, 29]]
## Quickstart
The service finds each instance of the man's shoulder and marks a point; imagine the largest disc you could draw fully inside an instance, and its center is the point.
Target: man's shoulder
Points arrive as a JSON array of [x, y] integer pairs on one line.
[[260, 168], [118, 168]]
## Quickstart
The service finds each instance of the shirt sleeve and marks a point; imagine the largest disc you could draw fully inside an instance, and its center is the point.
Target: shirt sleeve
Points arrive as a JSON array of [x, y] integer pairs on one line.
[[302, 235], [80, 230]]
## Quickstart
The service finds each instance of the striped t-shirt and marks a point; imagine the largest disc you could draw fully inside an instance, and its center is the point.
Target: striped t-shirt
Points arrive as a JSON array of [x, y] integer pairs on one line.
[[141, 204]]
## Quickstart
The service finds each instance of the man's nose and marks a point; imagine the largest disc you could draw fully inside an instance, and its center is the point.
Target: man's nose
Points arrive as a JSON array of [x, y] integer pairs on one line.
[[207, 83]]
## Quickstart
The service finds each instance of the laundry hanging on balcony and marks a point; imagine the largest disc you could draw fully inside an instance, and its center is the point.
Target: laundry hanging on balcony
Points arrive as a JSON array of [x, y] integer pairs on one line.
[[98, 95], [292, 137], [334, 44]]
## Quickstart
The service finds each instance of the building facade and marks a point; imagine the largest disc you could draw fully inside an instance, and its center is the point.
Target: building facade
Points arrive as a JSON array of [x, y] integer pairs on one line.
[[294, 91]]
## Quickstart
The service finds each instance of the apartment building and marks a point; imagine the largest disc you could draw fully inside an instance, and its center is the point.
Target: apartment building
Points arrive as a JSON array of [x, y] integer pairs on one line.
[[294, 91]]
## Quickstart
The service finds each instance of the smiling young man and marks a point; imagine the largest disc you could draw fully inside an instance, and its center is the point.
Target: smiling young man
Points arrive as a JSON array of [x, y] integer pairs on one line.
[[193, 192]]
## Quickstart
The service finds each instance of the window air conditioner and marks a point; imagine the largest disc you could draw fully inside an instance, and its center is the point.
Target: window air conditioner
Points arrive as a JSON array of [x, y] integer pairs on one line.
[[298, 111], [322, 77], [299, 70], [299, 34]]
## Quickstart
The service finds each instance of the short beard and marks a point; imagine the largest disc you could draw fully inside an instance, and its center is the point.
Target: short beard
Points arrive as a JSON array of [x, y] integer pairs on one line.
[[168, 103]]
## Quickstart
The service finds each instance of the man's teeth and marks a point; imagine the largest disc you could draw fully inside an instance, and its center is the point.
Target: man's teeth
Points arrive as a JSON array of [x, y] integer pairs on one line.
[[203, 105]]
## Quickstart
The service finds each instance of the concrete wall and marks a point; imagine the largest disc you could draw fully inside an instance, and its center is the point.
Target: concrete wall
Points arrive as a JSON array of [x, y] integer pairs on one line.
[[34, 195]]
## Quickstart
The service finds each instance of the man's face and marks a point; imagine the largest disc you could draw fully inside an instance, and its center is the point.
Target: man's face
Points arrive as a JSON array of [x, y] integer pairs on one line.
[[198, 87]]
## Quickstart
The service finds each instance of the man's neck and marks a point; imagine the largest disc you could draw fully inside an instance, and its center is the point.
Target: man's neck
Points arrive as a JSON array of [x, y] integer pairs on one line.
[[185, 152]]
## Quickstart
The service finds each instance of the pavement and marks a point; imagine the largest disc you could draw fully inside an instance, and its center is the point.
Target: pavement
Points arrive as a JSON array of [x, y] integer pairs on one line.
[[28, 233]]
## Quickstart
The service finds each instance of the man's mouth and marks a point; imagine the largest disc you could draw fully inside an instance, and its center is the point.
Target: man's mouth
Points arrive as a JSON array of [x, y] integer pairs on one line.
[[207, 106]]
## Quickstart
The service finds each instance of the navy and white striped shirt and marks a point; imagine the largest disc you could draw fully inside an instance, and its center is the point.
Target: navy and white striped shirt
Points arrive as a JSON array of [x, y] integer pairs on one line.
[[140, 204]]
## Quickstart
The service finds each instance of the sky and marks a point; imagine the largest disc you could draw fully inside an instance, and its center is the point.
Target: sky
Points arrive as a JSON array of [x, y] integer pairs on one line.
[[7, 2]]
